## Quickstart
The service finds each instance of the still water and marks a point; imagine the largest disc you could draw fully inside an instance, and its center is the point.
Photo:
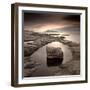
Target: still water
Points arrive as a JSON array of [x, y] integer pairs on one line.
[[71, 34], [40, 56]]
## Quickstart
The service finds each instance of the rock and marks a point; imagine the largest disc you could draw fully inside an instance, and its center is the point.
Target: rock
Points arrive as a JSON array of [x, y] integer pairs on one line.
[[26, 59], [30, 64], [70, 68], [28, 72], [54, 56], [29, 49], [54, 52]]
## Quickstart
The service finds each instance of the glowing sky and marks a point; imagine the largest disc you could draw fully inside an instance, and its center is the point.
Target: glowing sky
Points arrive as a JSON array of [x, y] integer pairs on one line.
[[41, 22]]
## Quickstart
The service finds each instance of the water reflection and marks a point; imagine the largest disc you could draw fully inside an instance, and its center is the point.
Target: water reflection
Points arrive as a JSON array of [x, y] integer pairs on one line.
[[54, 54], [54, 62]]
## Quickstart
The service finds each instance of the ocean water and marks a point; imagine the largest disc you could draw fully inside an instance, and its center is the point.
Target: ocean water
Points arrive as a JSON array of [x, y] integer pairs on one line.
[[71, 34]]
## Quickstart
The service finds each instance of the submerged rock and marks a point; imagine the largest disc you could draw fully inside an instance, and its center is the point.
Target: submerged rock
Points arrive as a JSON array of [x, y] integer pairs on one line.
[[54, 56]]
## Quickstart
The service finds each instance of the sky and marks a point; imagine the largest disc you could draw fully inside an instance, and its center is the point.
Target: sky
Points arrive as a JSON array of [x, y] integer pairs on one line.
[[42, 22]]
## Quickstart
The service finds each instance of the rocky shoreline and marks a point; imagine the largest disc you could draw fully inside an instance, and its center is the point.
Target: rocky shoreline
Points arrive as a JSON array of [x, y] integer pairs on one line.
[[72, 67], [34, 41]]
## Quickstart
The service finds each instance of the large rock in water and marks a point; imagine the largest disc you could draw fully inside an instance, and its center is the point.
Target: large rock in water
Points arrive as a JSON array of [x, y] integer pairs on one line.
[[54, 56]]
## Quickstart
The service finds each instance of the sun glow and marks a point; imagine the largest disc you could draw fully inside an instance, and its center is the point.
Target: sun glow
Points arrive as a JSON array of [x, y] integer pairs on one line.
[[43, 28]]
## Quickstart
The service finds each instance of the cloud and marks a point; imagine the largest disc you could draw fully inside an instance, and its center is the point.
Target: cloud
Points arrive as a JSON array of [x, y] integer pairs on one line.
[[41, 22]]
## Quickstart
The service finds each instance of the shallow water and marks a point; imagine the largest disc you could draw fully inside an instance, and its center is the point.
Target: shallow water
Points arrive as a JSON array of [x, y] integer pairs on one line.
[[72, 34], [40, 56]]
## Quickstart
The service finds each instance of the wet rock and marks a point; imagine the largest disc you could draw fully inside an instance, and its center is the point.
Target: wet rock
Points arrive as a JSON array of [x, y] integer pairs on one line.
[[28, 72], [30, 64], [54, 56], [54, 52], [27, 59], [70, 68]]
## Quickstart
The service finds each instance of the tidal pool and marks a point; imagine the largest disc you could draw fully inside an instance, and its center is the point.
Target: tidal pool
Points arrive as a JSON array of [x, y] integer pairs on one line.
[[40, 57]]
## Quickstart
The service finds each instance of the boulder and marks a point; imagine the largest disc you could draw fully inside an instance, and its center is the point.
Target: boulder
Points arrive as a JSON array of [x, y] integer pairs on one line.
[[54, 56]]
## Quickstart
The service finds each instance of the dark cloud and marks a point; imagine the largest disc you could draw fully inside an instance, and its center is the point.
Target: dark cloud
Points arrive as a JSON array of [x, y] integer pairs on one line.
[[72, 18], [42, 17], [38, 20]]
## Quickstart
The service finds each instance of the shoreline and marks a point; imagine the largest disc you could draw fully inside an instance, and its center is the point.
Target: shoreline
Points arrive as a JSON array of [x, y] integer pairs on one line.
[[70, 68]]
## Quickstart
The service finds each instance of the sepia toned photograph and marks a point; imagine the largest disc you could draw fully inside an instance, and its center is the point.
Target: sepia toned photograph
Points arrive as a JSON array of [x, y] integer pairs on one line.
[[51, 44], [48, 44]]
